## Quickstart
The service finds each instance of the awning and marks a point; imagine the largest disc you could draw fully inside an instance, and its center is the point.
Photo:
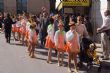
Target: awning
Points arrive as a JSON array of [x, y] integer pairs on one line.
[[70, 3], [76, 3]]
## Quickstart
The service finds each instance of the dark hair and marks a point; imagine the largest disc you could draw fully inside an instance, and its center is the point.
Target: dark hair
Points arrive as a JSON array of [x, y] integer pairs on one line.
[[51, 20], [72, 25], [108, 12], [31, 27], [73, 18], [8, 15]]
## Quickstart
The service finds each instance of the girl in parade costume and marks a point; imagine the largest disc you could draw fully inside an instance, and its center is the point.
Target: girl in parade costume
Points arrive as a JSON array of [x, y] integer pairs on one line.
[[18, 26], [27, 30], [14, 27], [73, 44], [32, 40], [59, 39], [23, 29], [50, 39]]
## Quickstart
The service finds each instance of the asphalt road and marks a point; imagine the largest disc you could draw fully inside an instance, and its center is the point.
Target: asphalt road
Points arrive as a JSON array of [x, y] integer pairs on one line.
[[15, 59]]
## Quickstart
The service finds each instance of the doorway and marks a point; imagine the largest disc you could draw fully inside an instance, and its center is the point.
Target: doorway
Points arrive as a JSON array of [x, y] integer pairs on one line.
[[1, 5]]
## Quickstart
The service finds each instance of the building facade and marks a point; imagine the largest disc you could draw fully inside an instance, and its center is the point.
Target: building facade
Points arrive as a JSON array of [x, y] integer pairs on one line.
[[95, 11], [1, 5], [73, 6], [17, 6]]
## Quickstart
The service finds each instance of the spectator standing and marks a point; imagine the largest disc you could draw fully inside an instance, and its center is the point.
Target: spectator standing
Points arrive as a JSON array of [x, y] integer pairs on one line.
[[8, 26], [105, 39]]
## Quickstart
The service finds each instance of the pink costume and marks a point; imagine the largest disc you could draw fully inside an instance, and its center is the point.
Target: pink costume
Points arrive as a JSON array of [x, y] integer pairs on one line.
[[27, 29], [32, 36], [23, 26], [50, 38], [60, 38], [18, 25], [72, 41], [14, 28]]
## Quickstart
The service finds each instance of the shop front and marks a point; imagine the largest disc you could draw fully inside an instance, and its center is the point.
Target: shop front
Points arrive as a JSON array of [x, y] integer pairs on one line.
[[74, 6]]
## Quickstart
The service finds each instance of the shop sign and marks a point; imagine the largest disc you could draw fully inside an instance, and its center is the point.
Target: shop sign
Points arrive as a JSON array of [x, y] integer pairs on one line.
[[75, 2]]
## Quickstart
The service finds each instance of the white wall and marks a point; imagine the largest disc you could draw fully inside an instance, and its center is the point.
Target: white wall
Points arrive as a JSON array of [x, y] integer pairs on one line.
[[10, 6], [108, 5], [103, 7], [34, 6]]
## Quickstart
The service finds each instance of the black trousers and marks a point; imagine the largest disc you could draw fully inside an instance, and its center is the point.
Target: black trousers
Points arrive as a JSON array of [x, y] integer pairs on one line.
[[83, 56], [0, 25], [8, 35], [43, 37]]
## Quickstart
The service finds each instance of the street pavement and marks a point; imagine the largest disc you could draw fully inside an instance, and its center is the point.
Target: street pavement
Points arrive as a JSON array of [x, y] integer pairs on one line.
[[15, 59]]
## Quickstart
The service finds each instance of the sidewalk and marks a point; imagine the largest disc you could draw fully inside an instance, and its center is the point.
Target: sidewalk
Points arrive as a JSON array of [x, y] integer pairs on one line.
[[99, 50]]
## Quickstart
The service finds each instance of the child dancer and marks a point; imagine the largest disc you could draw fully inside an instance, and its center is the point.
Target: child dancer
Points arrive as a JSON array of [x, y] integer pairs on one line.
[[59, 39], [50, 39], [18, 26], [32, 39], [27, 31], [14, 27], [73, 45], [23, 29]]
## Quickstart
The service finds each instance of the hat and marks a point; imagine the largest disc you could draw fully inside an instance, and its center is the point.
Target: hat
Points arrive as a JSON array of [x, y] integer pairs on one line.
[[71, 23]]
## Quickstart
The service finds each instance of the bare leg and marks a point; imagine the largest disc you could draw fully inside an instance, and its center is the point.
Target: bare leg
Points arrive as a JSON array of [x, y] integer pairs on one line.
[[49, 55], [62, 57], [69, 62], [29, 46], [14, 36], [33, 49], [75, 59], [30, 51], [58, 58], [75, 62], [23, 38]]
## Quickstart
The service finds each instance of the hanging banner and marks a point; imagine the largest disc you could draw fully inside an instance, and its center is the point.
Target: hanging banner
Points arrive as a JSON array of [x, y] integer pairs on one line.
[[75, 2]]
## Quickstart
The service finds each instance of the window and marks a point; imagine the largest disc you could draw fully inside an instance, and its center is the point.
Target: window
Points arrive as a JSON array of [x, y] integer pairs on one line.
[[1, 5], [21, 6]]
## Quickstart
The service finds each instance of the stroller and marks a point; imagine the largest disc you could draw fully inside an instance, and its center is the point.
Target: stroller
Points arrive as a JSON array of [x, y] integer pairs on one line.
[[88, 54]]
